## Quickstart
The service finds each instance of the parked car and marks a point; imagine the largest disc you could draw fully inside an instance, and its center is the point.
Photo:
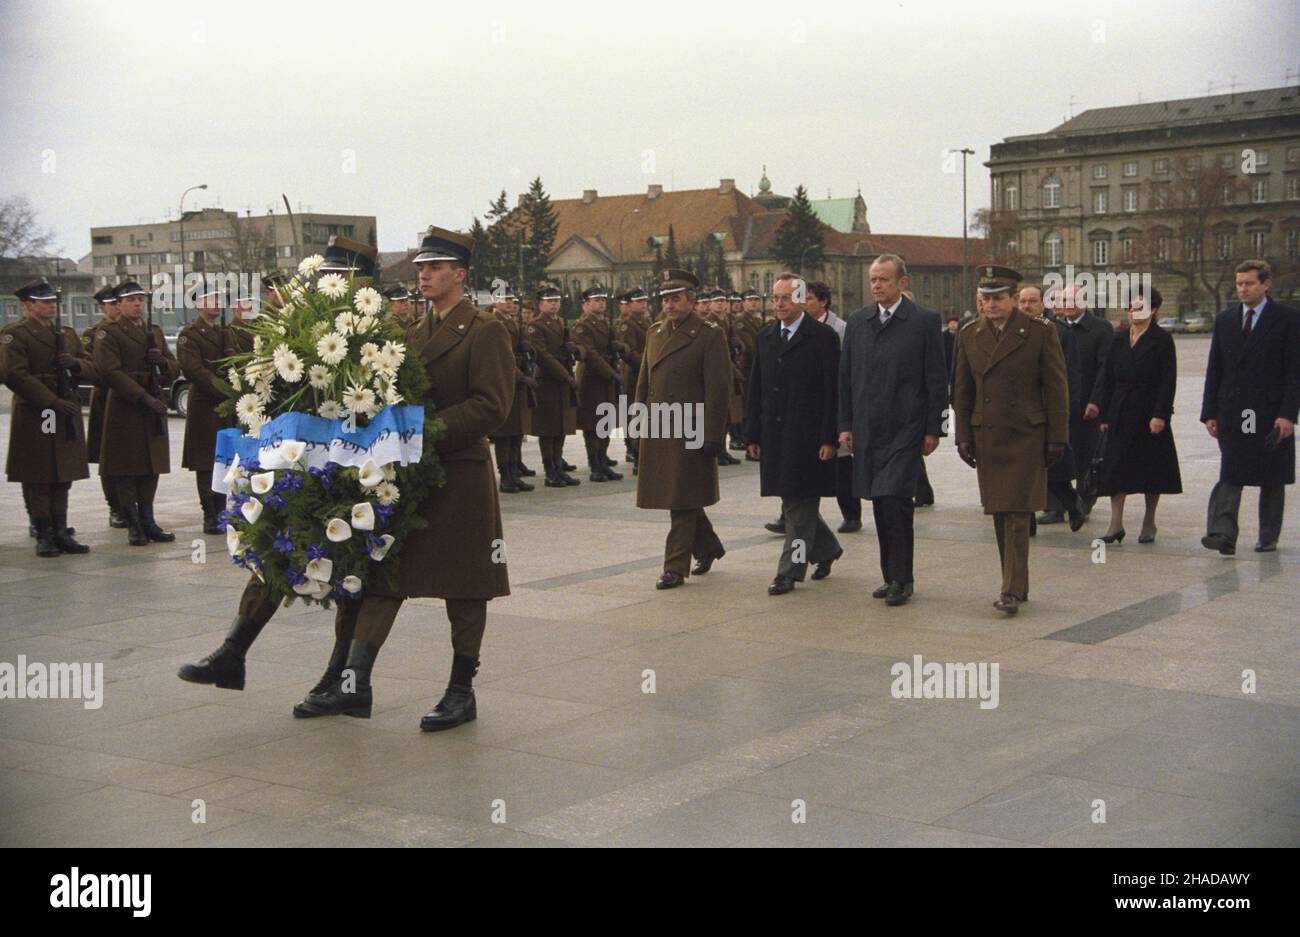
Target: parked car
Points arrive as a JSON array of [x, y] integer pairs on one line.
[[1195, 324], [1172, 324], [176, 393]]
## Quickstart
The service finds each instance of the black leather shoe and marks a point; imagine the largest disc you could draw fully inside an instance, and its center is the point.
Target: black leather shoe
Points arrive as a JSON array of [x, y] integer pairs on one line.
[[609, 463], [223, 668], [704, 564], [1263, 547], [669, 581], [1007, 603], [777, 526], [1116, 537], [62, 535], [849, 526], [823, 568], [45, 545], [1220, 543], [1077, 520], [507, 485], [1051, 517], [525, 470], [349, 694], [150, 526], [135, 534], [566, 467], [611, 475], [881, 592], [568, 479], [918, 503], [898, 594], [518, 476], [457, 705], [210, 525], [781, 585], [333, 671], [596, 470], [116, 520]]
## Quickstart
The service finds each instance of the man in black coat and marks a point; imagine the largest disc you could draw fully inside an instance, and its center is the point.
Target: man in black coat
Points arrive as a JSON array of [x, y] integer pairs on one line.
[[1252, 395], [1092, 337], [790, 428], [893, 396]]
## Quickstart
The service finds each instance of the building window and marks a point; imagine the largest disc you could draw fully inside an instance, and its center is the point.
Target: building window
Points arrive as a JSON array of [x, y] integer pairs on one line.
[[1130, 199], [1099, 200], [1128, 250], [1228, 194], [1052, 192], [1160, 196], [1160, 167], [1099, 171], [1225, 160], [1293, 189], [1162, 248], [947, 286], [1258, 243], [1100, 253], [1259, 191], [1191, 248], [1131, 168], [1012, 197], [1293, 242], [1052, 250], [767, 284], [1223, 246], [1193, 164], [1261, 158]]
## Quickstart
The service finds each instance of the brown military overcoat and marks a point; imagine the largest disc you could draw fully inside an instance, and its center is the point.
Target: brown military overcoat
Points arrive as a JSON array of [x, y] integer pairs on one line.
[[685, 365], [135, 438], [1011, 399], [199, 348], [471, 369], [27, 359], [595, 374], [554, 414], [519, 422], [98, 394]]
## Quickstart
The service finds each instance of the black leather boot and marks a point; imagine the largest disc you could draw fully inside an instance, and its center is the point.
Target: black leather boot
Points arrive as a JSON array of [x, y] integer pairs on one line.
[[553, 477], [210, 525], [610, 474], [457, 705], [349, 694], [135, 534], [524, 470], [218, 505], [519, 478], [508, 485], [564, 466], [224, 667], [151, 528], [62, 535], [116, 519], [597, 467], [333, 671], [45, 545]]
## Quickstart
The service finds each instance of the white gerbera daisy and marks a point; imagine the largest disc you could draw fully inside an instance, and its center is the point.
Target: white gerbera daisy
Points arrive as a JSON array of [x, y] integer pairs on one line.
[[390, 472], [232, 377], [367, 301], [290, 368], [320, 376], [280, 351], [344, 322], [332, 286], [257, 344], [309, 265], [358, 399], [247, 408], [370, 354], [387, 493], [392, 397], [330, 410], [392, 355], [366, 324], [332, 349]]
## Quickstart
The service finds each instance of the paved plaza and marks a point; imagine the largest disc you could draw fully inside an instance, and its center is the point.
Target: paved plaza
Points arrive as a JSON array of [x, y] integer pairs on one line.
[[771, 721]]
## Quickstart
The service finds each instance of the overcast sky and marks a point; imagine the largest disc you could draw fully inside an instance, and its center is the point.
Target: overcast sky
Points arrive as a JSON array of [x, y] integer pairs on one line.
[[110, 110]]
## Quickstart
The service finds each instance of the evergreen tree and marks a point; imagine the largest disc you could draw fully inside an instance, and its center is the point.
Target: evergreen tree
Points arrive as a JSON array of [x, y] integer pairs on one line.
[[799, 244], [502, 259], [480, 273], [671, 260], [540, 225], [720, 265]]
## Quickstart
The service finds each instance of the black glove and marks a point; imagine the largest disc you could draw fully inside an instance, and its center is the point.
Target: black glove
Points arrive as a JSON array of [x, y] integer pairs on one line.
[[66, 408], [156, 405], [153, 355], [68, 363], [967, 452], [1053, 453], [711, 450]]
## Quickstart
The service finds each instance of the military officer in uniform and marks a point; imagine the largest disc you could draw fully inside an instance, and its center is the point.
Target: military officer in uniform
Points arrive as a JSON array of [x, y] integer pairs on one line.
[[134, 362], [508, 440], [716, 311], [471, 368], [272, 284], [555, 415], [200, 349], [686, 362], [1011, 409], [599, 381], [633, 321], [107, 301], [42, 364], [400, 305]]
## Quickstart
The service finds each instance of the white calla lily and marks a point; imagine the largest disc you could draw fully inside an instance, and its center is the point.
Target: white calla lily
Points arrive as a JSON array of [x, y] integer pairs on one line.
[[370, 474], [363, 516], [379, 552], [351, 584], [252, 510], [320, 569], [262, 482], [234, 545], [307, 587], [234, 472], [291, 450], [338, 530]]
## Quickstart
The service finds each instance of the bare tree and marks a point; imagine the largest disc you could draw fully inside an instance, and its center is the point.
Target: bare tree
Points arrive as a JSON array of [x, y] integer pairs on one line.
[[19, 234], [1005, 232], [250, 247]]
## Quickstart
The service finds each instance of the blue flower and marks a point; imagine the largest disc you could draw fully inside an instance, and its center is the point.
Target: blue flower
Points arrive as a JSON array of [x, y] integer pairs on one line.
[[276, 502], [252, 559], [316, 552], [374, 543], [295, 576], [384, 513], [253, 465], [284, 541]]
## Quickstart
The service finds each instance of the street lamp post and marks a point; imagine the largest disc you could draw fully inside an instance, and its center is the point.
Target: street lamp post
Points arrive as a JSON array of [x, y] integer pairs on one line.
[[965, 295], [621, 259], [183, 194]]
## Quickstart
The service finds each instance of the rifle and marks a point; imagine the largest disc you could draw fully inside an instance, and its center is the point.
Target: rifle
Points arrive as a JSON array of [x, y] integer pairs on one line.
[[63, 375], [569, 361], [155, 368], [614, 356], [527, 359]]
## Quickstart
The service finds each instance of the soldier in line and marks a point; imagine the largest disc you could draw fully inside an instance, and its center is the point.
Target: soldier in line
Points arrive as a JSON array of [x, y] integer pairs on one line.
[[400, 305], [107, 301], [200, 349], [598, 380], [1011, 408], [272, 283], [686, 362], [745, 330], [241, 314], [716, 309], [42, 364], [471, 370], [134, 362], [508, 440], [555, 415], [633, 321]]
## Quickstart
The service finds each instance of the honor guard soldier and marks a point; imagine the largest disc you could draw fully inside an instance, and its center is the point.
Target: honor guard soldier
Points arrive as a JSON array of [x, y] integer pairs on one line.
[[1011, 408], [200, 350], [134, 362], [686, 364], [599, 378], [746, 330], [400, 305], [508, 440], [556, 413], [42, 363], [107, 300], [633, 321], [719, 313], [272, 284]]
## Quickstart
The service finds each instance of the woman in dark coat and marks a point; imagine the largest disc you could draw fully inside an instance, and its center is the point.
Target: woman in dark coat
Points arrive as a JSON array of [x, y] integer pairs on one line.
[[1136, 403]]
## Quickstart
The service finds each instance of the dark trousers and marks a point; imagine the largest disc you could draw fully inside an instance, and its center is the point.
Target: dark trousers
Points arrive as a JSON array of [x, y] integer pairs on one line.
[[896, 536], [45, 499], [1225, 503], [807, 538], [203, 482], [136, 489], [1012, 531], [850, 506], [468, 617], [691, 535], [110, 490], [924, 492]]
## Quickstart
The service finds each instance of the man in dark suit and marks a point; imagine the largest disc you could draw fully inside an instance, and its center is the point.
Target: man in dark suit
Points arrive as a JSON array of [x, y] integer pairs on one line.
[[893, 396], [790, 428], [1252, 395], [1092, 337]]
